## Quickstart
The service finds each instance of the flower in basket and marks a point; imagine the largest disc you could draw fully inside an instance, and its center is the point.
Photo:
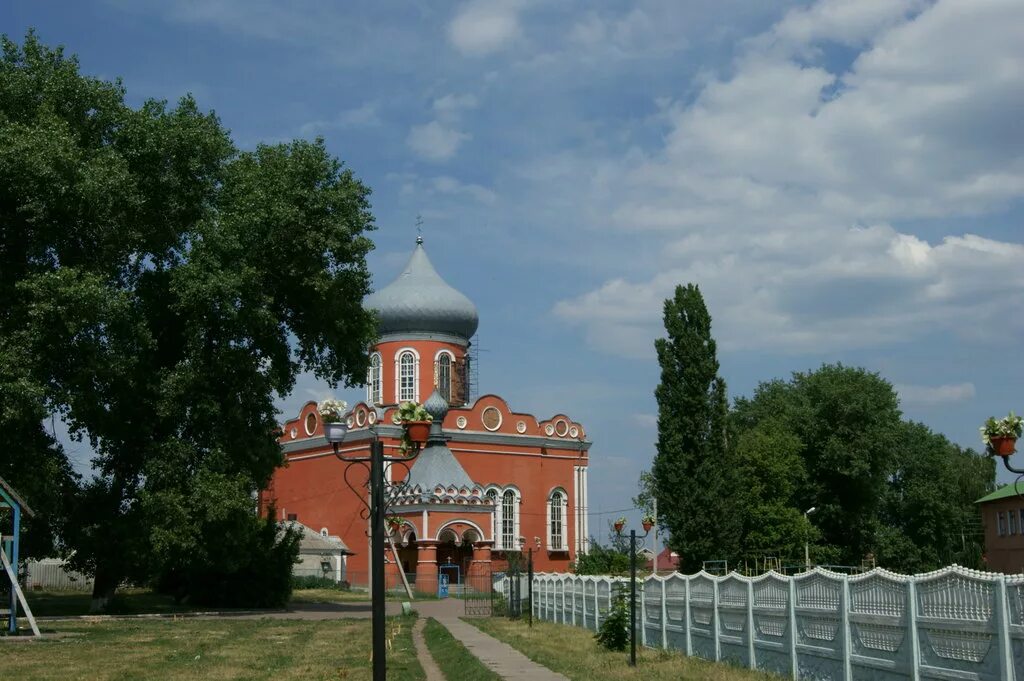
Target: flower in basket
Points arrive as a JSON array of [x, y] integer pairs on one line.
[[410, 413], [619, 523], [332, 411], [647, 521], [1000, 435], [394, 523]]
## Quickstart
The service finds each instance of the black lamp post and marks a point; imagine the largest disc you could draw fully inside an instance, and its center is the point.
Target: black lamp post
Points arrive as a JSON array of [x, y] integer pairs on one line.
[[335, 434], [632, 591]]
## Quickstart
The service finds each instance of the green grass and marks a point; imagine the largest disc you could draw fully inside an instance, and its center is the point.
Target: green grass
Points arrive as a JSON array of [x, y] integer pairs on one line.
[[572, 651], [456, 663], [124, 602], [189, 648]]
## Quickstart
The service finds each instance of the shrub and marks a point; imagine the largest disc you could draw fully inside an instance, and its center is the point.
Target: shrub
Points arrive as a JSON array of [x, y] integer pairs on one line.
[[614, 631]]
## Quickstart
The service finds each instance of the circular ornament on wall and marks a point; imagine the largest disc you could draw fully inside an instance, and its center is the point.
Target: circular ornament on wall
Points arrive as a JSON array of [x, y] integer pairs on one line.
[[294, 432], [549, 430], [360, 418], [350, 421], [491, 418], [561, 427], [521, 427], [574, 432], [371, 417], [461, 422], [310, 423]]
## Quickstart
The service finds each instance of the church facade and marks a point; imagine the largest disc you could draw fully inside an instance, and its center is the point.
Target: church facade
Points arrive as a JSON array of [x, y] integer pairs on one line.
[[490, 483]]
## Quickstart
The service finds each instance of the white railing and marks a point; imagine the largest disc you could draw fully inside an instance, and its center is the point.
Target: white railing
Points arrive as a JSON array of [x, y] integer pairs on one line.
[[952, 624]]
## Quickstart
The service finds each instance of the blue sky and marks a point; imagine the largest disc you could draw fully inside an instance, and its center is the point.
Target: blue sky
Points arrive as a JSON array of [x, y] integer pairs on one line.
[[845, 180]]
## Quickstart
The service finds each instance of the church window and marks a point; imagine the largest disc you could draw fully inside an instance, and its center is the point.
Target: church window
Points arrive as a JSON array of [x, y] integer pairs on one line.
[[556, 521], [509, 516], [443, 375], [373, 378], [407, 376]]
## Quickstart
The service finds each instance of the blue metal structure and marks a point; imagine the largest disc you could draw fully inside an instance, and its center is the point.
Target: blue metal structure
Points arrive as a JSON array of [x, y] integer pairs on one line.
[[10, 499]]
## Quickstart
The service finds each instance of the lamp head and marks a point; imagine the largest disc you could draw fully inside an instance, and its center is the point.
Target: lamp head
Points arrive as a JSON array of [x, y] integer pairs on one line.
[[811, 510]]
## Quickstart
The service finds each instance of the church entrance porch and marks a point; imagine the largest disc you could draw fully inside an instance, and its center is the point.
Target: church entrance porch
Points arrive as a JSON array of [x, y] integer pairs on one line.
[[455, 556]]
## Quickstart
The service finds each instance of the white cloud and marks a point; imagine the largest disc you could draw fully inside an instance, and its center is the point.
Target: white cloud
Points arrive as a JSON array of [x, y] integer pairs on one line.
[[435, 141], [364, 116], [932, 395], [777, 189], [485, 26]]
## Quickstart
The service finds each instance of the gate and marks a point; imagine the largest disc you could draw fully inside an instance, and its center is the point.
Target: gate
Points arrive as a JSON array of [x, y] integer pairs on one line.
[[478, 594]]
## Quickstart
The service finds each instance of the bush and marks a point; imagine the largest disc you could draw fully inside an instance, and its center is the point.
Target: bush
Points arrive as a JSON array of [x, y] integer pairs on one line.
[[614, 631], [315, 582]]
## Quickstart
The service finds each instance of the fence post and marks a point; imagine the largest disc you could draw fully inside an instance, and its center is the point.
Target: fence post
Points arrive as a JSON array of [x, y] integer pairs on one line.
[[597, 605], [575, 588], [752, 652], [915, 644], [714, 614], [664, 616], [844, 617], [792, 626], [689, 637], [1006, 672], [643, 614]]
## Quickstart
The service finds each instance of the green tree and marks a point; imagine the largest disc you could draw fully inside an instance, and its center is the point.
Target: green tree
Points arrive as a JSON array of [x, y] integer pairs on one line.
[[694, 479], [162, 288]]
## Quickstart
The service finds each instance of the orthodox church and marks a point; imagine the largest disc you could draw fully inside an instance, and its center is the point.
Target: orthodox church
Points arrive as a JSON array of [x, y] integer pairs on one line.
[[490, 482]]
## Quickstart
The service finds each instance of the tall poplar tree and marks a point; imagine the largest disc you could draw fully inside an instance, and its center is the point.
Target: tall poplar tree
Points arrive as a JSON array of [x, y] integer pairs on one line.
[[693, 476]]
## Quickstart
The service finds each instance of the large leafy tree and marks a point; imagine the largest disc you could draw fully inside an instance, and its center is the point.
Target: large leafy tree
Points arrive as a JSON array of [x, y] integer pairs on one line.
[[694, 479], [161, 288], [834, 439]]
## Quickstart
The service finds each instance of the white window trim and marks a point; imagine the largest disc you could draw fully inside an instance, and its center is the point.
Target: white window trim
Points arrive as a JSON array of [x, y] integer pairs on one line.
[[517, 500], [415, 375], [562, 543], [496, 516], [371, 398]]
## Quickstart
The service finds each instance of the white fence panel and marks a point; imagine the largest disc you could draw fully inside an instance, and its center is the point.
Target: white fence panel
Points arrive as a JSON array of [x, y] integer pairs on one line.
[[53, 575]]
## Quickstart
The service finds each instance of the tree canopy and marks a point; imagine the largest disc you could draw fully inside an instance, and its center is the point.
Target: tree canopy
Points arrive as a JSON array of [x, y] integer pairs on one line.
[[159, 288], [693, 471]]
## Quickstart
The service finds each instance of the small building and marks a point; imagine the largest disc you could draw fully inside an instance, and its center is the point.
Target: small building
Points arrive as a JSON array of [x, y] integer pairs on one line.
[[668, 561], [320, 553], [1002, 514]]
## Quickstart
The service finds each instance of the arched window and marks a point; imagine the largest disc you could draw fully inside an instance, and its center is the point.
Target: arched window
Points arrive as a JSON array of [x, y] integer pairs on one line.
[[556, 521], [492, 494], [407, 377], [509, 521], [373, 379], [443, 375]]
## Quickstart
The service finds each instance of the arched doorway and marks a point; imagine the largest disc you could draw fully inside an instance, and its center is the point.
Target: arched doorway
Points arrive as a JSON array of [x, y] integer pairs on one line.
[[455, 552], [407, 553]]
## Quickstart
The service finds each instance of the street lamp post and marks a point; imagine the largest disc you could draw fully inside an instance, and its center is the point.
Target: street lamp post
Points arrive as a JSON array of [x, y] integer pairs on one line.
[[335, 434], [807, 538], [632, 592]]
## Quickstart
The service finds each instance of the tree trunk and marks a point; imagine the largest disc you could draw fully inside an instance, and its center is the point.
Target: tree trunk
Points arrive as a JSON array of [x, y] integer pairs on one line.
[[103, 587]]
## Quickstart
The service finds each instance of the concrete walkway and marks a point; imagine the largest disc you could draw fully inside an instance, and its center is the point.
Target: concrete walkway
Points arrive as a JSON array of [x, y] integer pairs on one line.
[[499, 657]]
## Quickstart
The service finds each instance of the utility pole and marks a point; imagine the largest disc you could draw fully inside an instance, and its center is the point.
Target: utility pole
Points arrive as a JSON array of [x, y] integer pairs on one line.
[[654, 563]]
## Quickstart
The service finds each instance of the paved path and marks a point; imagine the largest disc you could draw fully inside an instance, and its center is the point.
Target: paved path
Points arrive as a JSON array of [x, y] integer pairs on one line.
[[499, 657], [423, 653]]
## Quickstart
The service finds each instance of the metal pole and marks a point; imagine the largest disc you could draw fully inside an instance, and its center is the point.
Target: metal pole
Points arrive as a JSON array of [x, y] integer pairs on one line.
[[632, 598], [654, 562], [377, 557], [529, 584], [16, 512]]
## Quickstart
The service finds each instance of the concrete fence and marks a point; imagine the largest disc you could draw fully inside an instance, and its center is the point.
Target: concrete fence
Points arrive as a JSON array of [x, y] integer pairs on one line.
[[950, 624]]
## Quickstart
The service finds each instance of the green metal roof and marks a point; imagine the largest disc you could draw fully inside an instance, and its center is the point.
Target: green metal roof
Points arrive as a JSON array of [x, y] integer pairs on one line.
[[1003, 492]]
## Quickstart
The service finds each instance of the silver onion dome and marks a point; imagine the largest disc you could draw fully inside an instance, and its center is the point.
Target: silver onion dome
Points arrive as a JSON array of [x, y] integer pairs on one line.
[[419, 301]]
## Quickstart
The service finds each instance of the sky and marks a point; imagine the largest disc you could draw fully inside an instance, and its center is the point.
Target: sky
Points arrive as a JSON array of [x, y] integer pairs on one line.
[[844, 180]]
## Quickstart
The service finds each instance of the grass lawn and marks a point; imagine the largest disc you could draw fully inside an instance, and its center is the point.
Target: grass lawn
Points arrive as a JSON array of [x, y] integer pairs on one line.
[[574, 652], [212, 649], [456, 663], [124, 602]]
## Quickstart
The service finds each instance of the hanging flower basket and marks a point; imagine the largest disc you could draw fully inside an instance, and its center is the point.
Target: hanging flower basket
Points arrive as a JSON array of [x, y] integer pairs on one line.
[[619, 524], [648, 524], [418, 431], [1002, 445], [1001, 434]]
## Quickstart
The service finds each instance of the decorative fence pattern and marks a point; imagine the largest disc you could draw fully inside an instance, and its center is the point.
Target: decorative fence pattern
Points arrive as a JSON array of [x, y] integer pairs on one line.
[[950, 624]]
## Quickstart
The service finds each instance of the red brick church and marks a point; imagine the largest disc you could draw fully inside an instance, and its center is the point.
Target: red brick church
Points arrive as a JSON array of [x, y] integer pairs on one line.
[[490, 481]]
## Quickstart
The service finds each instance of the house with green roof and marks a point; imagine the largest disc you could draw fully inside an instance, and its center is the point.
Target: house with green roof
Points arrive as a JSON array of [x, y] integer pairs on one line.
[[1002, 514]]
